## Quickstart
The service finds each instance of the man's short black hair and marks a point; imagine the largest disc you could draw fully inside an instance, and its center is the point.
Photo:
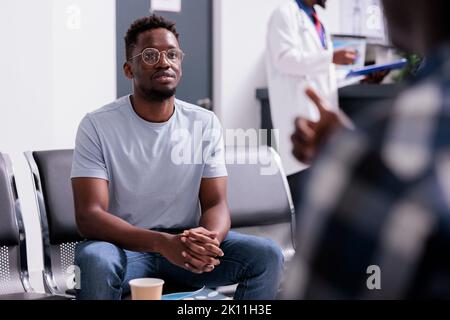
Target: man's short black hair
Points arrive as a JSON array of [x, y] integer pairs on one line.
[[144, 24]]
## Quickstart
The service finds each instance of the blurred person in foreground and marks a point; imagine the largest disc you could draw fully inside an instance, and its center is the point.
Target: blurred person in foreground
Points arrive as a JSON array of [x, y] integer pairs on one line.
[[376, 221]]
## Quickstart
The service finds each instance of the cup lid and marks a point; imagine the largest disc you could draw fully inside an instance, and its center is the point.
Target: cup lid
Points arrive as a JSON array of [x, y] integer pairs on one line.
[[146, 282]]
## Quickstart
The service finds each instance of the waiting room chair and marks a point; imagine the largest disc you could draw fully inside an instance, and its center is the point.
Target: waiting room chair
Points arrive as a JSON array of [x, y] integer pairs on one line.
[[14, 277], [51, 175], [259, 198]]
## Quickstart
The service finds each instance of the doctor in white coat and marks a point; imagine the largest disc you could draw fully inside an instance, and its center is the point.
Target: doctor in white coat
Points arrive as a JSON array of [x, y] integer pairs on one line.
[[299, 54]]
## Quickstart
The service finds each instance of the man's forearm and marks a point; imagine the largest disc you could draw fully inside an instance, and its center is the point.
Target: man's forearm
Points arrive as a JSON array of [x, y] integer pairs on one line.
[[107, 227], [217, 219]]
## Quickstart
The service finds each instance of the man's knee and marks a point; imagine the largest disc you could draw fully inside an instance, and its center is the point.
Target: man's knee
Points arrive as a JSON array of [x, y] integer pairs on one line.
[[99, 257], [262, 253], [270, 254]]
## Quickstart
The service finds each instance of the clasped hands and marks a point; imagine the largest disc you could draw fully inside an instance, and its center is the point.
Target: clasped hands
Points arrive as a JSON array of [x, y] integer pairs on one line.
[[202, 250]]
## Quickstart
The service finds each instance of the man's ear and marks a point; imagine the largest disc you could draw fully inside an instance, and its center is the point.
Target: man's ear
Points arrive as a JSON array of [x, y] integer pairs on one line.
[[127, 70]]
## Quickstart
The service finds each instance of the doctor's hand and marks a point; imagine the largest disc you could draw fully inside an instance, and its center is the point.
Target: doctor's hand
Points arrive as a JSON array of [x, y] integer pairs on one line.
[[376, 77], [310, 136], [344, 56]]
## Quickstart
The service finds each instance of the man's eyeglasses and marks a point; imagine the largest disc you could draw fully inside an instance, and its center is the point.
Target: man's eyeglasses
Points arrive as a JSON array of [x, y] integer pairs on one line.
[[151, 56]]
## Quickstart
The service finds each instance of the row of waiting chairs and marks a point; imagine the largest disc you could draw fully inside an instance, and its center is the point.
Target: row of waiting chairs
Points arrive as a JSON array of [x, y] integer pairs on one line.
[[259, 205]]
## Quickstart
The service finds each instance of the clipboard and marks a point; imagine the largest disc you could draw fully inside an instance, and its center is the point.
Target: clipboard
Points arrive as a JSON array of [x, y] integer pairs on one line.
[[377, 67]]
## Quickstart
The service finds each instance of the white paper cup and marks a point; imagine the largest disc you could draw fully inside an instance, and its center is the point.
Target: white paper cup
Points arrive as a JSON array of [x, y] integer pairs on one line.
[[146, 288]]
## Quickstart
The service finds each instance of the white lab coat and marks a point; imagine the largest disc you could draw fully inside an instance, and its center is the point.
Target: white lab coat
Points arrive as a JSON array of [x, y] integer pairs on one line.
[[296, 59]]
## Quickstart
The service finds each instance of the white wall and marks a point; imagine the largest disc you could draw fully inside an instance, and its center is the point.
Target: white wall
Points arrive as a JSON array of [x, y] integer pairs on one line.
[[332, 16], [58, 63], [239, 45]]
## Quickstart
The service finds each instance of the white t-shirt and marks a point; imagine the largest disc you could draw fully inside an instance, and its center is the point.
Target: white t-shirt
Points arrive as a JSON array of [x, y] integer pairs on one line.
[[154, 170]]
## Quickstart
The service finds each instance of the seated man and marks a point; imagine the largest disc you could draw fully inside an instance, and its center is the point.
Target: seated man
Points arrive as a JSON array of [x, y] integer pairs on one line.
[[149, 183], [377, 211]]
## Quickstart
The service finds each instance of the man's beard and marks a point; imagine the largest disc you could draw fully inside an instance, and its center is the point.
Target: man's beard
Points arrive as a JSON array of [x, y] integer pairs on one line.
[[160, 95], [322, 3]]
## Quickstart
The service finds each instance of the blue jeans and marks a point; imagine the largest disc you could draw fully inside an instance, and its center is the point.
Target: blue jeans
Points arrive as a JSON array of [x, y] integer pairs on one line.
[[254, 263]]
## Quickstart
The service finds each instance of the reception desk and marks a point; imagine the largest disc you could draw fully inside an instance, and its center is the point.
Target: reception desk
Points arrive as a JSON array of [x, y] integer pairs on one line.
[[352, 100]]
